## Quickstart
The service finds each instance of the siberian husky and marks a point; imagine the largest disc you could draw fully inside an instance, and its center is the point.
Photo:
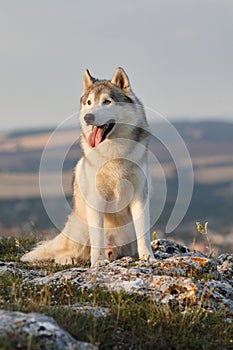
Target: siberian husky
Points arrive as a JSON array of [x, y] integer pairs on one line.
[[110, 216]]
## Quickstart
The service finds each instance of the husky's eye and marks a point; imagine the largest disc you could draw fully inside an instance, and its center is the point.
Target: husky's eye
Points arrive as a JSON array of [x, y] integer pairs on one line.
[[89, 102], [107, 102]]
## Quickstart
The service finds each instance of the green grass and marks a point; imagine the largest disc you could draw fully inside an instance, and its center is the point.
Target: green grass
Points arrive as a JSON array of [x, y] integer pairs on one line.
[[133, 322]]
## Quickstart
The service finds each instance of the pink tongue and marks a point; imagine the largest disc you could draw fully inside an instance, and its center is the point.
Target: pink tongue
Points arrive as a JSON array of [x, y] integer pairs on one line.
[[95, 136]]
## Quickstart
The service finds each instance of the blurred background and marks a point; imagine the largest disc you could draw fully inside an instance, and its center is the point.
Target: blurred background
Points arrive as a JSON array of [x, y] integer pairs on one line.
[[179, 57]]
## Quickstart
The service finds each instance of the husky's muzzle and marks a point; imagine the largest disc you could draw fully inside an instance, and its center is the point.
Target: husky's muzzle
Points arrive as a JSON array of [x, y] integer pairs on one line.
[[89, 118], [99, 132]]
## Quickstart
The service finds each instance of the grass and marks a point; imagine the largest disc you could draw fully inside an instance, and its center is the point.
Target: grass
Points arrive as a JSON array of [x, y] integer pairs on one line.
[[133, 322]]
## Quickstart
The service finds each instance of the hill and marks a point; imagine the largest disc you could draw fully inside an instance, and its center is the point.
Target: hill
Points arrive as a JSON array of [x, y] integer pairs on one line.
[[210, 146]]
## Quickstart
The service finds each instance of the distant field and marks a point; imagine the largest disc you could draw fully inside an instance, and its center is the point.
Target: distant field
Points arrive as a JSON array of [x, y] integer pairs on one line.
[[20, 157], [21, 185], [28, 142], [216, 174], [27, 185], [210, 146]]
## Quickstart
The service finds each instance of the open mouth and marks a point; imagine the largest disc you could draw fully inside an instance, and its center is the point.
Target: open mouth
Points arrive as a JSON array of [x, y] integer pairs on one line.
[[99, 133]]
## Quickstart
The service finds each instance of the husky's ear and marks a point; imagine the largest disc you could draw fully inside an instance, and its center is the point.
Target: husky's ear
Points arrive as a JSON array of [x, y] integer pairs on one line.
[[121, 80], [88, 80]]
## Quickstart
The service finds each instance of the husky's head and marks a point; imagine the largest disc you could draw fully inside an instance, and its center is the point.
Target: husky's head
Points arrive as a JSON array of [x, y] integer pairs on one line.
[[109, 109]]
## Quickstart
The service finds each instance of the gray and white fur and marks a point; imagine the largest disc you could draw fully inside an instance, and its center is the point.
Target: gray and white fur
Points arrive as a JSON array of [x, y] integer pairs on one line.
[[110, 216]]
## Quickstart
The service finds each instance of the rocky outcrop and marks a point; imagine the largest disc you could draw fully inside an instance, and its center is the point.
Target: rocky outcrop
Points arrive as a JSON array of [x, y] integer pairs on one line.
[[177, 277], [40, 329]]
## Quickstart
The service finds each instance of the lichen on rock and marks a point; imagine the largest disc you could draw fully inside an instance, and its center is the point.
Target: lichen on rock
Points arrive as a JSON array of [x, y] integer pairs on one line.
[[177, 276]]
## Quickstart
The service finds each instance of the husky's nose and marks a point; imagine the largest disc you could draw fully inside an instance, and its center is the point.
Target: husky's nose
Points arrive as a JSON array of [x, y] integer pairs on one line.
[[89, 118]]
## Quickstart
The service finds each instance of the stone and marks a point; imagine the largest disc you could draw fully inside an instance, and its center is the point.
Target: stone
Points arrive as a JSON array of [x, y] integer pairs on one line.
[[43, 329], [178, 276]]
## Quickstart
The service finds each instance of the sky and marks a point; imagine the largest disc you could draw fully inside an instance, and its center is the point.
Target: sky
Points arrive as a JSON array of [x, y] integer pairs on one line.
[[177, 53]]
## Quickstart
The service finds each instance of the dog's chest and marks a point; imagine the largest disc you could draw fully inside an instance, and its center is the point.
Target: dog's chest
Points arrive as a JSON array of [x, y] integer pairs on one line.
[[115, 180]]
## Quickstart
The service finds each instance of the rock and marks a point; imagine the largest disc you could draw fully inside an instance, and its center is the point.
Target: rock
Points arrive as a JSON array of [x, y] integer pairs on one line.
[[164, 248], [43, 329], [178, 276], [225, 266]]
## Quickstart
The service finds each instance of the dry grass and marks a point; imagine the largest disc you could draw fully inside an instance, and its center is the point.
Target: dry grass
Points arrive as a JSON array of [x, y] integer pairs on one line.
[[133, 322]]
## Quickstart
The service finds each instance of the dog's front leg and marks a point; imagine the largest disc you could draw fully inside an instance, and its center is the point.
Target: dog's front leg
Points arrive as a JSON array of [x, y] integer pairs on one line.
[[141, 218], [96, 232]]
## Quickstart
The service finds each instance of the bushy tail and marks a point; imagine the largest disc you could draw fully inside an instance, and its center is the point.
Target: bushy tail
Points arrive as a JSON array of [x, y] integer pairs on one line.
[[70, 246]]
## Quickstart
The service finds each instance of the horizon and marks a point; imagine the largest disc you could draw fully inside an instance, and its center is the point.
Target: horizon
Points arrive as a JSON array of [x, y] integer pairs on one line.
[[45, 127]]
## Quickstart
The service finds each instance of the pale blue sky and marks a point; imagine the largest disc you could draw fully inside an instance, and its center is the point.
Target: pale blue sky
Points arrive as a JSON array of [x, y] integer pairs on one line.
[[177, 53]]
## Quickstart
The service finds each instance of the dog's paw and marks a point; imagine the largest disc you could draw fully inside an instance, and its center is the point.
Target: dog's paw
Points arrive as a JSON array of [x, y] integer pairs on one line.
[[151, 259], [147, 256], [99, 263], [65, 260]]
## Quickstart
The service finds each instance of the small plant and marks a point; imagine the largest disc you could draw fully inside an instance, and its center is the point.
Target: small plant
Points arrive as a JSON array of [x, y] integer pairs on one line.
[[203, 230], [154, 235], [12, 248]]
